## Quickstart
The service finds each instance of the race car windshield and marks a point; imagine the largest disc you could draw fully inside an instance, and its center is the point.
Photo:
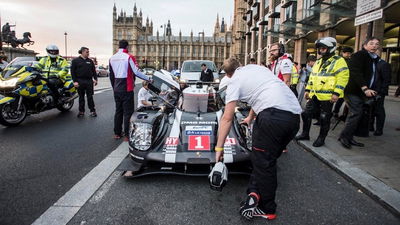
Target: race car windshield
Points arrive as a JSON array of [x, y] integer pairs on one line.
[[196, 66], [200, 98]]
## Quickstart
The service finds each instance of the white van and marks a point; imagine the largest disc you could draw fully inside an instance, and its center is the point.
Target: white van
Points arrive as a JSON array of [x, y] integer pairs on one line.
[[191, 70]]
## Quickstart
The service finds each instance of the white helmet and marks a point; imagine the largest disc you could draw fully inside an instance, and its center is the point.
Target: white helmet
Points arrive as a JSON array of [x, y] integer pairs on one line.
[[328, 42], [52, 51]]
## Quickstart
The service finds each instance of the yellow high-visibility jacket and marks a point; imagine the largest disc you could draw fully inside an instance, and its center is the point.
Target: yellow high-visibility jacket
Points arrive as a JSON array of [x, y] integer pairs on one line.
[[59, 67], [327, 78], [295, 76]]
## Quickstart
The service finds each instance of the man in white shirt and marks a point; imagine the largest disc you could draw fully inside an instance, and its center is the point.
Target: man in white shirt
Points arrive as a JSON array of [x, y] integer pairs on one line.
[[278, 118], [281, 65], [144, 95]]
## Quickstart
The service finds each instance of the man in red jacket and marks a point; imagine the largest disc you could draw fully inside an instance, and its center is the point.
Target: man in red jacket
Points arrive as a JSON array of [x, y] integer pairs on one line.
[[123, 70]]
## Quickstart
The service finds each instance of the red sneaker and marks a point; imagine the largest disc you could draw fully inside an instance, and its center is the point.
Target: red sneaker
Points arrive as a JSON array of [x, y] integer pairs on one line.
[[117, 137], [259, 213]]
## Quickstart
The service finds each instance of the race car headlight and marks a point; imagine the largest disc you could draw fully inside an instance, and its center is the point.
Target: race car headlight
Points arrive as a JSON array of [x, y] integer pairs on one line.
[[11, 83], [140, 135], [217, 80]]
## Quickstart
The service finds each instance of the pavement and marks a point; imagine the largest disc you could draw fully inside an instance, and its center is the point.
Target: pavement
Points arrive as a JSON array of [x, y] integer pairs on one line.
[[373, 168]]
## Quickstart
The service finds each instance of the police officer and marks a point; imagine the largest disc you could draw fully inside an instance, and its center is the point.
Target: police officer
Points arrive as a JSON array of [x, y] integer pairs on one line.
[[325, 86], [276, 125], [54, 68], [294, 79]]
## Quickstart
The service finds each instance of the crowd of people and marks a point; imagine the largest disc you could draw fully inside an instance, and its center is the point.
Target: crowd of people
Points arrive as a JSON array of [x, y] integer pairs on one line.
[[275, 93], [361, 80]]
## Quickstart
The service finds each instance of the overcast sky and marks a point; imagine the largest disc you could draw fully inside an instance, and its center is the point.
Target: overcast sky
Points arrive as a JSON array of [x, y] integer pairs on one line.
[[89, 23]]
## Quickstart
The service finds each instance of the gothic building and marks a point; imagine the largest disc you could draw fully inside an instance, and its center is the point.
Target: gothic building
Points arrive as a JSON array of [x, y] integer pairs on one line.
[[165, 50]]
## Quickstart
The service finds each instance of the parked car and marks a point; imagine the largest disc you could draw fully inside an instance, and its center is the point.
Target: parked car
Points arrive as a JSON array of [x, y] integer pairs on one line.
[[102, 71], [191, 70]]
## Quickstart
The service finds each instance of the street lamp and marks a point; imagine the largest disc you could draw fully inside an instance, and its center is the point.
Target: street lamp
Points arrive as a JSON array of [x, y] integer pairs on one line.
[[163, 59], [65, 41]]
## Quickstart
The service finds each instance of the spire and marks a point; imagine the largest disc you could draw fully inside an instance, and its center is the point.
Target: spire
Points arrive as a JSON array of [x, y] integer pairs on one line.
[[134, 10], [180, 32], [115, 7], [140, 13], [223, 25], [147, 21], [151, 23], [217, 23]]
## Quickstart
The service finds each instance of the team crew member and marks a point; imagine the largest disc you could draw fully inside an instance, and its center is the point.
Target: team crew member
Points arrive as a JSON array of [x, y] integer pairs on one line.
[[123, 69], [144, 95], [325, 86], [84, 76], [54, 68], [281, 65], [276, 125]]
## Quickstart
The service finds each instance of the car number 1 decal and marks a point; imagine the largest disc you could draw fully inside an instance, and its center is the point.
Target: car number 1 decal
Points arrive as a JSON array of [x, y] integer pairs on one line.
[[199, 143]]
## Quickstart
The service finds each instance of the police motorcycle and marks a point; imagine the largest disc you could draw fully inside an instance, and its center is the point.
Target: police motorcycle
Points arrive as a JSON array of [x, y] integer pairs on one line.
[[24, 90]]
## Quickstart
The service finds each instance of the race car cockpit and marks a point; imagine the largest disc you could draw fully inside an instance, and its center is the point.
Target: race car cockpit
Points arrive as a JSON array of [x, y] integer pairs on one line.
[[189, 97]]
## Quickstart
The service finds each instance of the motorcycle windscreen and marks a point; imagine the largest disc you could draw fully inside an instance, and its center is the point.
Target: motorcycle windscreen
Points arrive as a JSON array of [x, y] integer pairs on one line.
[[164, 87], [12, 69]]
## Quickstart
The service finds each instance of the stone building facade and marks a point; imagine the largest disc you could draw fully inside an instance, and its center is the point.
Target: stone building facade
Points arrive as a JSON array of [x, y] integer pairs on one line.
[[165, 50], [299, 23]]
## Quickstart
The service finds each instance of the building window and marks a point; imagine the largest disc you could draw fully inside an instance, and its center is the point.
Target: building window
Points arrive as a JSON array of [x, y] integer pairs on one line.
[[194, 50], [307, 10], [119, 37], [188, 50], [151, 48], [266, 3], [211, 50], [177, 50], [205, 51], [129, 37]]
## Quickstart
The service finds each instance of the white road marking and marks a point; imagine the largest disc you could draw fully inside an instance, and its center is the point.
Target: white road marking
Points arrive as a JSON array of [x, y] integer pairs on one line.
[[68, 205]]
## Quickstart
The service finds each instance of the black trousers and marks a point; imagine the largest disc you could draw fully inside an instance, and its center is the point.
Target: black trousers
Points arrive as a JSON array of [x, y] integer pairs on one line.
[[325, 114], [338, 105], [272, 131], [378, 114], [124, 108], [86, 88], [355, 104]]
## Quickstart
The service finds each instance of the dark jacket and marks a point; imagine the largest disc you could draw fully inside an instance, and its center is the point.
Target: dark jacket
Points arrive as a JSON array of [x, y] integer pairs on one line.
[[361, 67], [207, 76], [83, 69], [383, 79]]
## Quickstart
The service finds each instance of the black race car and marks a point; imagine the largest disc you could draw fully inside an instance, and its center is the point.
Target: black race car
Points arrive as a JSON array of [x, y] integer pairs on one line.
[[179, 135]]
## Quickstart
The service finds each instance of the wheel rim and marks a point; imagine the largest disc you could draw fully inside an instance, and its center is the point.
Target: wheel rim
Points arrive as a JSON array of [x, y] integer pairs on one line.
[[67, 105], [12, 116]]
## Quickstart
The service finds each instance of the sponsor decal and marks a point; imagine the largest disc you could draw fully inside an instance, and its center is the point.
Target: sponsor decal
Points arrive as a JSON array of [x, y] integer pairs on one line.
[[171, 141], [198, 130], [230, 141], [199, 143], [199, 122]]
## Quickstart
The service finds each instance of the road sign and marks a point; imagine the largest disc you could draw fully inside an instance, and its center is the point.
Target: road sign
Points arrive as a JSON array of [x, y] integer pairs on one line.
[[364, 6], [375, 15]]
